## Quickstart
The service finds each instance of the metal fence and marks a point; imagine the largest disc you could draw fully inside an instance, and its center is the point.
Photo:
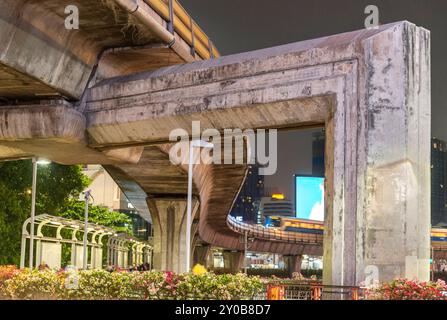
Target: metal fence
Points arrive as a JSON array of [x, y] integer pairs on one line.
[[261, 232], [180, 21], [309, 291]]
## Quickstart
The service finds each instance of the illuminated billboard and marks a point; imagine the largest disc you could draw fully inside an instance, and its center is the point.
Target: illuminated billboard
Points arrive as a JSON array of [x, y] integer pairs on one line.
[[309, 197]]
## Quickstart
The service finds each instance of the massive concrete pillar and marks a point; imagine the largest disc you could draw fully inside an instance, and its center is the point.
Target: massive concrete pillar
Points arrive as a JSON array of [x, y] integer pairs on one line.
[[378, 164], [293, 264], [200, 254], [233, 261], [169, 223]]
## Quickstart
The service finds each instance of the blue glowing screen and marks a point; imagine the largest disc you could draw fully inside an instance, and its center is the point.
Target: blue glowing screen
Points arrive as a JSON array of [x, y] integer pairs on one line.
[[309, 198]]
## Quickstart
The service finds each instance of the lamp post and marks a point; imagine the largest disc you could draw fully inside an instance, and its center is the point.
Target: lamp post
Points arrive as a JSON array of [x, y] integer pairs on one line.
[[87, 196], [192, 145], [35, 162]]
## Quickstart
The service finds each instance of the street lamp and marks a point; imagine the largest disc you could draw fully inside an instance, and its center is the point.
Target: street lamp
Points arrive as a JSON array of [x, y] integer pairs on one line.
[[87, 196], [35, 161], [192, 145]]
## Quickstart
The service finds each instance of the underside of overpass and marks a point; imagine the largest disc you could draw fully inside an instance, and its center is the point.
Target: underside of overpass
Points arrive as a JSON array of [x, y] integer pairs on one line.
[[120, 43], [99, 95]]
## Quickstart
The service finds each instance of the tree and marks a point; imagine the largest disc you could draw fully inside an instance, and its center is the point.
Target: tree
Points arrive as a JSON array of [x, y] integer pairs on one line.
[[55, 185], [75, 209], [13, 212]]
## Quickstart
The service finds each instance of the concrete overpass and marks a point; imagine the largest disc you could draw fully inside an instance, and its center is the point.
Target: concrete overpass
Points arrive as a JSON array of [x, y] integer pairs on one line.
[[75, 96]]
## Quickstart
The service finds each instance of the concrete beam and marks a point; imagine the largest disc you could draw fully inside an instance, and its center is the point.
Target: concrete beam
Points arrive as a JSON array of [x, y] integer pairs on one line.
[[39, 57], [53, 129], [370, 88]]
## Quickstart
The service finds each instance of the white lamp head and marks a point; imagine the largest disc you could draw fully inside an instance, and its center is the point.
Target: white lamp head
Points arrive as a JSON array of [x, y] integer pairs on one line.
[[42, 161]]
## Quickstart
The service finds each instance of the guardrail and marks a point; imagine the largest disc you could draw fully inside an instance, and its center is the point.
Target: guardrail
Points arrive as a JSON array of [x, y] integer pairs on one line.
[[309, 290], [272, 234], [182, 23]]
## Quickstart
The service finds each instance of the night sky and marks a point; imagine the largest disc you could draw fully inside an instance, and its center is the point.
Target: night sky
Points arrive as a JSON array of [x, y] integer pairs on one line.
[[242, 25]]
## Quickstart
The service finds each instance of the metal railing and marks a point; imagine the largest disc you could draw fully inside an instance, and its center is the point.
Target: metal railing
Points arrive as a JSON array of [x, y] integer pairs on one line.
[[182, 23], [308, 290], [273, 234]]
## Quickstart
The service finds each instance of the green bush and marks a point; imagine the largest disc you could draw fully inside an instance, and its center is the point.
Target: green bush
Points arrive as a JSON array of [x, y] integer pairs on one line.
[[98, 285], [104, 285], [221, 287]]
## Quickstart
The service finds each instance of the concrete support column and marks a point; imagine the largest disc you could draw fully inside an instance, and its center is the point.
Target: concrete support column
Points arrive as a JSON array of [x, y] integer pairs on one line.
[[200, 254], [233, 261], [377, 183], [169, 222], [293, 264]]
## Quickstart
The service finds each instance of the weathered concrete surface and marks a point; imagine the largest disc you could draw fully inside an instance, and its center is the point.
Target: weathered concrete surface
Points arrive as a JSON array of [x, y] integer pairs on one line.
[[40, 57], [200, 254], [169, 222], [233, 260], [370, 89], [53, 130], [293, 264]]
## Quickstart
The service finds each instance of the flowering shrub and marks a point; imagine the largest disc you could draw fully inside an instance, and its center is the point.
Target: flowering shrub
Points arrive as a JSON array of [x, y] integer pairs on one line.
[[98, 285], [34, 284], [101, 284], [403, 289], [7, 272], [199, 269], [222, 287], [156, 284]]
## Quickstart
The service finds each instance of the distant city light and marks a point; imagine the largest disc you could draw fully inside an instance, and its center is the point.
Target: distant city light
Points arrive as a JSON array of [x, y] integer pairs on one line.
[[278, 196]]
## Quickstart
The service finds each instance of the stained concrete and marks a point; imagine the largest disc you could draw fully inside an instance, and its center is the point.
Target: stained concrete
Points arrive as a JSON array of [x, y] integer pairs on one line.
[[293, 264], [369, 88], [39, 57], [169, 223]]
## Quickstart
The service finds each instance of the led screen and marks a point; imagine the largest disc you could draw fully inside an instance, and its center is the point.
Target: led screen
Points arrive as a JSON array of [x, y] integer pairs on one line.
[[309, 198]]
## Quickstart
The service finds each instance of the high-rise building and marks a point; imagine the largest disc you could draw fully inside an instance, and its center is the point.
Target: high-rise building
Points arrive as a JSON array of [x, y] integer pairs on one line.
[[318, 139], [276, 205], [247, 202], [438, 182]]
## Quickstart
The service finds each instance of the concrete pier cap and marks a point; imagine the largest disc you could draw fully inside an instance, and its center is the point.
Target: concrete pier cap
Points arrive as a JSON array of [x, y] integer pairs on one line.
[[371, 91]]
